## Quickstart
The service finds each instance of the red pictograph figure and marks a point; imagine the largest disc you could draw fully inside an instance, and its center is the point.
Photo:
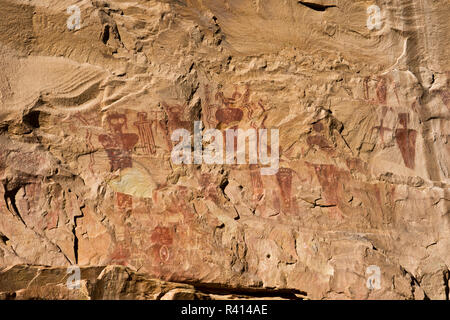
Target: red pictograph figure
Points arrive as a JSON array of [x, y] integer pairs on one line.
[[396, 87], [366, 88], [318, 127], [121, 254], [162, 237], [331, 180], [123, 248], [33, 193], [124, 201], [209, 108], [444, 92], [175, 120], [87, 121], [175, 117], [179, 204], [145, 132], [381, 128], [229, 109], [228, 115], [257, 183], [318, 140], [229, 112], [118, 146], [208, 187], [284, 179], [381, 91], [406, 140], [445, 95]]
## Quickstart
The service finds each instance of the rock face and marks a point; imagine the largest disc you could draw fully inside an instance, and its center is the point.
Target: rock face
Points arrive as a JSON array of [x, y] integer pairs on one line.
[[91, 93]]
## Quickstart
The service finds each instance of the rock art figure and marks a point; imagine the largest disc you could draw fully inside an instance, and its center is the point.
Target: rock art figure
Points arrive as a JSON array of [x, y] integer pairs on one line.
[[284, 179], [33, 194], [124, 248], [179, 206], [175, 115], [381, 128], [445, 95], [124, 201], [145, 133], [209, 108], [120, 255], [406, 140], [162, 237], [318, 127], [318, 140], [257, 183], [230, 109], [118, 146], [88, 122], [366, 88], [381, 91], [209, 189], [331, 180]]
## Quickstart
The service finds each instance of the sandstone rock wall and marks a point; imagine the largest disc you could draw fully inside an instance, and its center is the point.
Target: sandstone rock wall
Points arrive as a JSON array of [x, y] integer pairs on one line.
[[86, 117]]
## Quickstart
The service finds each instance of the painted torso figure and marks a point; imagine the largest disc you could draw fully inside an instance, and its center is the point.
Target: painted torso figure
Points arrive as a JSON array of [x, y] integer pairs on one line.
[[118, 145]]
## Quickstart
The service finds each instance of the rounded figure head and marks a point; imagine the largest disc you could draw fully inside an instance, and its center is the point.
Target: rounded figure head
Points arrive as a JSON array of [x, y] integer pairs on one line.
[[117, 121]]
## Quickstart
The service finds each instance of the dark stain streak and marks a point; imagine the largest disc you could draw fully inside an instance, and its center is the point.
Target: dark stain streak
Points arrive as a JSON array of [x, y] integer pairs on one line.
[[10, 200], [316, 6], [105, 34]]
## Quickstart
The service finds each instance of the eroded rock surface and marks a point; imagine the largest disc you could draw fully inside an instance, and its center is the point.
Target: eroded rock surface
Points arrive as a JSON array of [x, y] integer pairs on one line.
[[87, 114]]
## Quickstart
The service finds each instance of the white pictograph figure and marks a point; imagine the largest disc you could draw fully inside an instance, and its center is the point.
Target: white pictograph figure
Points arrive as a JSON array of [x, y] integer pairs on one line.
[[73, 281], [74, 21], [374, 280], [374, 19]]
